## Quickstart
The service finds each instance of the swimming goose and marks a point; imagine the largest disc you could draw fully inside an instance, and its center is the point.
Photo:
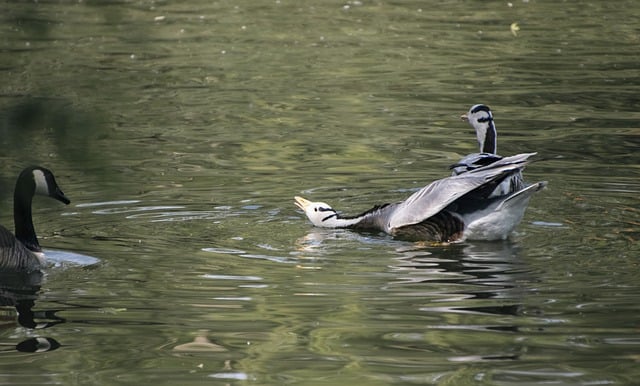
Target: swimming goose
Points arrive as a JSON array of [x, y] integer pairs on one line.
[[455, 208], [481, 119], [22, 252]]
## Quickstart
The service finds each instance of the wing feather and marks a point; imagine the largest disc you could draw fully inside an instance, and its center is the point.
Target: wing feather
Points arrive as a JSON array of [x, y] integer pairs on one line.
[[436, 196], [14, 256]]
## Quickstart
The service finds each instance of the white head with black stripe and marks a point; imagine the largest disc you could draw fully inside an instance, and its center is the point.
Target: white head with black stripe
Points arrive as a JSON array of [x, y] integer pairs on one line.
[[319, 213], [481, 119]]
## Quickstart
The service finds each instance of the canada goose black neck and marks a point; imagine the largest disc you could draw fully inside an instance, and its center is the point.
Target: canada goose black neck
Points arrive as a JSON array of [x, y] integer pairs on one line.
[[22, 198]]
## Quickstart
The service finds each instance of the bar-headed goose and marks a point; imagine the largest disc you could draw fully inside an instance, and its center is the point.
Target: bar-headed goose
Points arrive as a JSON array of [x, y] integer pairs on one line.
[[481, 119], [455, 208], [22, 252]]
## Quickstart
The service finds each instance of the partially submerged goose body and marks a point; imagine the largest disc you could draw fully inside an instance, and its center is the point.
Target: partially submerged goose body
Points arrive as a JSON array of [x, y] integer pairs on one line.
[[456, 208]]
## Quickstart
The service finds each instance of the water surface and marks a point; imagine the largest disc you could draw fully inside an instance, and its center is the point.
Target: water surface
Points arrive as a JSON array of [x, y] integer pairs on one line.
[[182, 130]]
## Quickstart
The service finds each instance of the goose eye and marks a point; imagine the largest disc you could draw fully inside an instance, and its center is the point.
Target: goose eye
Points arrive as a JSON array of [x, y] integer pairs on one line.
[[315, 209]]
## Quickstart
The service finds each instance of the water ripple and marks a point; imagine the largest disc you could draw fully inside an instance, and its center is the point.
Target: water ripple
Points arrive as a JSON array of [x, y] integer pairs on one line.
[[232, 277]]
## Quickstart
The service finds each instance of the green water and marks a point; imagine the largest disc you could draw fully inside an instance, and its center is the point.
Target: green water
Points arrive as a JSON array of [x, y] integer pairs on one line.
[[182, 130]]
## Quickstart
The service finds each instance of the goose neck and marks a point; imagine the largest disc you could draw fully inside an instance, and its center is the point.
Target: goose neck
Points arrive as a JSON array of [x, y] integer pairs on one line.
[[488, 142], [25, 232]]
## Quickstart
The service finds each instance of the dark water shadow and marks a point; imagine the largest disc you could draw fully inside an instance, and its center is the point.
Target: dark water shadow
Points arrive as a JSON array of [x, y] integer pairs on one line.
[[32, 123], [20, 291]]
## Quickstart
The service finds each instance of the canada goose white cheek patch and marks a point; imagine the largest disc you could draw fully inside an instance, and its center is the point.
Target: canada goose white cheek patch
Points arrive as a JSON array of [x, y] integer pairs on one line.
[[42, 187]]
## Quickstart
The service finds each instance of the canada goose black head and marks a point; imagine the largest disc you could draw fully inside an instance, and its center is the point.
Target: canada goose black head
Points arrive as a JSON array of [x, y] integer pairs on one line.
[[36, 180]]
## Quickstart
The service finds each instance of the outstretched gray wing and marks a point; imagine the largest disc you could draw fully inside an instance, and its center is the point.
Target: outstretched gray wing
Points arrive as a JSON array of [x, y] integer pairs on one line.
[[436, 196]]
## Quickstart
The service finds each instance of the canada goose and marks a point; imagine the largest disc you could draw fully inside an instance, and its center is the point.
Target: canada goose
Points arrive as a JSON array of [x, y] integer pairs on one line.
[[481, 119], [455, 208], [22, 252]]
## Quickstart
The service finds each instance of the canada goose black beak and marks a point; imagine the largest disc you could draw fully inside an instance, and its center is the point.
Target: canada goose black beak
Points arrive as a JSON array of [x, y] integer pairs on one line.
[[59, 195]]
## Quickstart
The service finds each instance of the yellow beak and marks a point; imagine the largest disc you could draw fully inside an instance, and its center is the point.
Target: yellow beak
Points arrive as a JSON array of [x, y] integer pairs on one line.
[[302, 203]]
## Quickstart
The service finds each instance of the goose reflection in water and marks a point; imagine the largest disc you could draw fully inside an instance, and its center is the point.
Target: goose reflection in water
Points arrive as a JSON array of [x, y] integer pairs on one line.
[[20, 292], [454, 290], [488, 270], [471, 287]]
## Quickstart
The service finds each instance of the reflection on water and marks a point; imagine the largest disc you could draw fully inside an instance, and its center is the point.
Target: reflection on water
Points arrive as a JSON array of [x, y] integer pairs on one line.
[[20, 291], [491, 275], [490, 265]]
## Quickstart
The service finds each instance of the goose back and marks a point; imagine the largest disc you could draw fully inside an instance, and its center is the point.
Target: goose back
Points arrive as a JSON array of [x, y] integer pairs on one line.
[[14, 256]]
